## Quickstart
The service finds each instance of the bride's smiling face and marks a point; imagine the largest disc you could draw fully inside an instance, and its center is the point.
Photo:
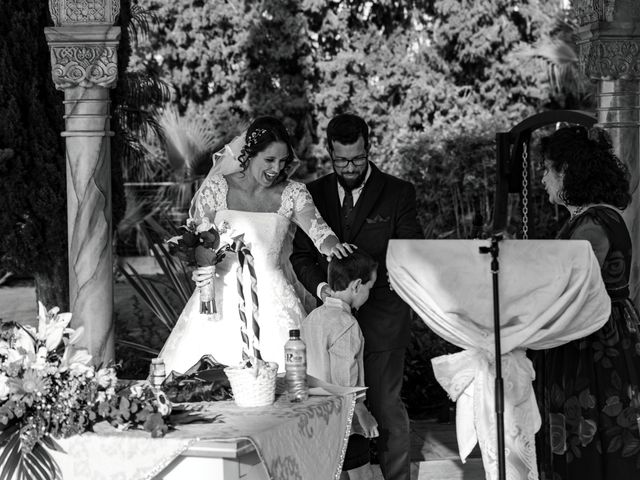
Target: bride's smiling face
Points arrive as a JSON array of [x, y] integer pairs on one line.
[[267, 164]]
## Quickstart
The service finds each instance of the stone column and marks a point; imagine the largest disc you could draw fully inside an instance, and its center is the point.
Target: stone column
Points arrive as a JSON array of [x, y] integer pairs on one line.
[[609, 52], [83, 45]]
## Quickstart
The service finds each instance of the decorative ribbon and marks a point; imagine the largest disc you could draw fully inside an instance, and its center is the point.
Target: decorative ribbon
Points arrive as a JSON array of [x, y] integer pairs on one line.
[[468, 377], [246, 258]]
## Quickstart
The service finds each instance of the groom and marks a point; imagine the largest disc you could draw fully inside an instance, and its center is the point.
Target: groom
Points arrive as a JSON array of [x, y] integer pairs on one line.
[[367, 207]]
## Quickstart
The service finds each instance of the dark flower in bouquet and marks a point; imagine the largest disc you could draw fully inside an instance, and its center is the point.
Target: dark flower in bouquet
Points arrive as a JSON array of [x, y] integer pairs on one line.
[[49, 388], [203, 246]]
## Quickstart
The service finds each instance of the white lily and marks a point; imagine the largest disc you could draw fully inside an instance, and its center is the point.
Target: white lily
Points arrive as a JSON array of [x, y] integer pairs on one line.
[[51, 326], [76, 360], [75, 335], [23, 341]]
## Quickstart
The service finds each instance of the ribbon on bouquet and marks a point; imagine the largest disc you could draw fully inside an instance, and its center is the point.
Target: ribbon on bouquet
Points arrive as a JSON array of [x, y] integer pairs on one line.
[[468, 379], [245, 258]]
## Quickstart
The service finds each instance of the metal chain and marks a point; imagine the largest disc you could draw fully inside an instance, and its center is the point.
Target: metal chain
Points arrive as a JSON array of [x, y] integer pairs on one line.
[[525, 192]]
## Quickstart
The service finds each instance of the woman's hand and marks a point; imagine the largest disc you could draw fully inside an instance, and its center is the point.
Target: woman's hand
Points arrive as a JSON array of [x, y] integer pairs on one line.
[[341, 250]]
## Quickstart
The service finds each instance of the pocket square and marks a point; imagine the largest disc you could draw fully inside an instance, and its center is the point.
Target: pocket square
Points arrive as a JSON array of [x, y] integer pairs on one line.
[[378, 219]]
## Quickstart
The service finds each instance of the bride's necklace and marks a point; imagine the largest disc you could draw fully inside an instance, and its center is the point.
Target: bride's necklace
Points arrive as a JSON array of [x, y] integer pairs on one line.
[[580, 209]]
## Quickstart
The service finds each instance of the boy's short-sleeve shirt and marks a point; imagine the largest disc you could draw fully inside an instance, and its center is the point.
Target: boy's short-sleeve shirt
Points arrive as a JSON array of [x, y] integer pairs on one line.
[[335, 344]]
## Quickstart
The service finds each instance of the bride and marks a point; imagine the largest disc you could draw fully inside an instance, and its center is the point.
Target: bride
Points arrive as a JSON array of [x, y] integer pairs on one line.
[[247, 190]]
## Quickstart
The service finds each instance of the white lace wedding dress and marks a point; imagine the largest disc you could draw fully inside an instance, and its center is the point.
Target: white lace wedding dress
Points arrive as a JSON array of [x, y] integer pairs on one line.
[[269, 237]]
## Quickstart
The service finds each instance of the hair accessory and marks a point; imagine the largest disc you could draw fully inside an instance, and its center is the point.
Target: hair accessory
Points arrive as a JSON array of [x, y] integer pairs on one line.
[[255, 135]]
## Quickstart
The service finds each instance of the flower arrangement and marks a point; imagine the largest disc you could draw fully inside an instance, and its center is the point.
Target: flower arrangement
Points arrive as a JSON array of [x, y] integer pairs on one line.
[[202, 246], [50, 389]]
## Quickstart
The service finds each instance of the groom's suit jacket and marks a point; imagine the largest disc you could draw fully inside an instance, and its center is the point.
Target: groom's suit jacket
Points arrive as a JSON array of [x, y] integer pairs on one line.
[[386, 209]]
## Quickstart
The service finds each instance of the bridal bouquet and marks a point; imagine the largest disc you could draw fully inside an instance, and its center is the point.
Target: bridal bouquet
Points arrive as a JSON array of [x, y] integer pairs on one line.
[[203, 246], [50, 389]]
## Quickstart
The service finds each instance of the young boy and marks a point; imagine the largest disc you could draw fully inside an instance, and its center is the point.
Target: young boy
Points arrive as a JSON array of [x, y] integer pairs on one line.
[[335, 348]]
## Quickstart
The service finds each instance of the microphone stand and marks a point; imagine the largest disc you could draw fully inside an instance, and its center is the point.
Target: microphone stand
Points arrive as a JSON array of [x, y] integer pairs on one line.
[[494, 250]]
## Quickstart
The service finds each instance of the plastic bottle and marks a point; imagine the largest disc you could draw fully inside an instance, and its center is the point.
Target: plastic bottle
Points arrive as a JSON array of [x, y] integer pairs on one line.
[[295, 365]]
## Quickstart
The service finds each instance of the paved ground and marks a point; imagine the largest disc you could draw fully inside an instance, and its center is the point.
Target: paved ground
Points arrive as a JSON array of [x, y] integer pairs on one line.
[[433, 445]]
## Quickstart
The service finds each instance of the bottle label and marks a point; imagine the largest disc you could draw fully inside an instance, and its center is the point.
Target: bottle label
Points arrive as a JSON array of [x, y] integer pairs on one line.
[[295, 358]]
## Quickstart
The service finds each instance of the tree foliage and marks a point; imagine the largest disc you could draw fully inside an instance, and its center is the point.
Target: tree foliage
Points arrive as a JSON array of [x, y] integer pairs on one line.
[[32, 163], [435, 80]]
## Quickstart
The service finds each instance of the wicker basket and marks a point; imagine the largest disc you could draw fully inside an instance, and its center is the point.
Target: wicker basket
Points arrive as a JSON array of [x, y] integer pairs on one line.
[[250, 390]]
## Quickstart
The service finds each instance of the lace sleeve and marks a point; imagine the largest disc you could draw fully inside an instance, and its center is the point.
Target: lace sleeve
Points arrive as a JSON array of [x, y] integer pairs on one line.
[[210, 197], [298, 205]]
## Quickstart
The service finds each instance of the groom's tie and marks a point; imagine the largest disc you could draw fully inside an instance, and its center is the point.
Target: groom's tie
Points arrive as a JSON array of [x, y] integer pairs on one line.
[[347, 208], [347, 205]]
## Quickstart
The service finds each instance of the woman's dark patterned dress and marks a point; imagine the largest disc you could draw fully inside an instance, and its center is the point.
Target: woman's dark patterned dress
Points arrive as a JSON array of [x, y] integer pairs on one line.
[[588, 390]]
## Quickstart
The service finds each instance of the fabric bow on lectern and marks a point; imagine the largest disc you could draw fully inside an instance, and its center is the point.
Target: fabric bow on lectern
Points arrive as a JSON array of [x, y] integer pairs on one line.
[[551, 292]]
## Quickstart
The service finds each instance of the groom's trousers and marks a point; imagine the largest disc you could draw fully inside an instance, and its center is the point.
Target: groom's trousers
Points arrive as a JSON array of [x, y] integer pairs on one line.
[[383, 373]]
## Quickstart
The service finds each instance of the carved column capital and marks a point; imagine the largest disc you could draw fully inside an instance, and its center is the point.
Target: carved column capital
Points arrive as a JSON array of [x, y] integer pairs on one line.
[[83, 56], [609, 38], [84, 12], [591, 11], [611, 58]]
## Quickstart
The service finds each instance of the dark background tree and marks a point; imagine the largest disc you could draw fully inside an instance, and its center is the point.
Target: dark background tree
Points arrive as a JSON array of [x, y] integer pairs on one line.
[[32, 192]]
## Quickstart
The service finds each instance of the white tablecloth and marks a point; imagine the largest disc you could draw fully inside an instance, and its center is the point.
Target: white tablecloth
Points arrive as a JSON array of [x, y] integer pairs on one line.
[[294, 440], [551, 292]]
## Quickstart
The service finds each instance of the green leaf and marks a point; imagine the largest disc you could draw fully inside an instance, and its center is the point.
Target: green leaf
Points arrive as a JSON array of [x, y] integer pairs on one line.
[[52, 444], [5, 435], [36, 469], [49, 462], [12, 439], [615, 444], [10, 457]]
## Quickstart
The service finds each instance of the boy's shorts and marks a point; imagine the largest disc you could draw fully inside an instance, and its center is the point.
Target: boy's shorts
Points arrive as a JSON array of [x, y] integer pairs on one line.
[[357, 453]]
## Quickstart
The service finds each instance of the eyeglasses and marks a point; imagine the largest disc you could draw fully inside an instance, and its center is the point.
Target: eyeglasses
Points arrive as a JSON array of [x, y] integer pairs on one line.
[[358, 161]]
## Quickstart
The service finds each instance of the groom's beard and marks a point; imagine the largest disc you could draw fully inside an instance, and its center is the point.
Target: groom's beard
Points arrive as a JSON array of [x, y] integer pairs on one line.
[[351, 183]]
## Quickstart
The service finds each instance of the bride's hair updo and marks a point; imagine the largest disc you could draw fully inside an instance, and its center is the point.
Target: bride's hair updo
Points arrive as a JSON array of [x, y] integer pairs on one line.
[[592, 171], [262, 132]]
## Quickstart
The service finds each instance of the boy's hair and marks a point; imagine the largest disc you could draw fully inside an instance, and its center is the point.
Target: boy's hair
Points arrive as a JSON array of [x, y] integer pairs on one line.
[[343, 271]]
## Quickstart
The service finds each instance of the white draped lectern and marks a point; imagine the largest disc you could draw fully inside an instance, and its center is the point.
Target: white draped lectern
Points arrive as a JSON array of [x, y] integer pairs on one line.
[[551, 292]]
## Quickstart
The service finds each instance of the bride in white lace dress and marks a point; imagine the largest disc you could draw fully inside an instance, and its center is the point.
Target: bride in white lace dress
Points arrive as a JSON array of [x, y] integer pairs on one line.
[[250, 192]]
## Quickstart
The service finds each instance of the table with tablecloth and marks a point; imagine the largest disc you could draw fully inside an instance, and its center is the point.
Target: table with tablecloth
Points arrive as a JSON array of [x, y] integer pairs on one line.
[[304, 440]]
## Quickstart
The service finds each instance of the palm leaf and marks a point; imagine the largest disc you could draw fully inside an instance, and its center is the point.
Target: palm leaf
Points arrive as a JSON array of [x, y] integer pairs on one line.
[[45, 458], [52, 444], [5, 435], [10, 457], [35, 468], [187, 139], [139, 346], [178, 279], [150, 295]]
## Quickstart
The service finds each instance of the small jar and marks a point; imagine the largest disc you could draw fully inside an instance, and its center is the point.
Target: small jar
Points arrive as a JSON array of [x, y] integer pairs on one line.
[[157, 372]]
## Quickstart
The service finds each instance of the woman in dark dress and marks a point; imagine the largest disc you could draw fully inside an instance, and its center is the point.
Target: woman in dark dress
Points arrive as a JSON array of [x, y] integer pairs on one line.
[[588, 390]]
